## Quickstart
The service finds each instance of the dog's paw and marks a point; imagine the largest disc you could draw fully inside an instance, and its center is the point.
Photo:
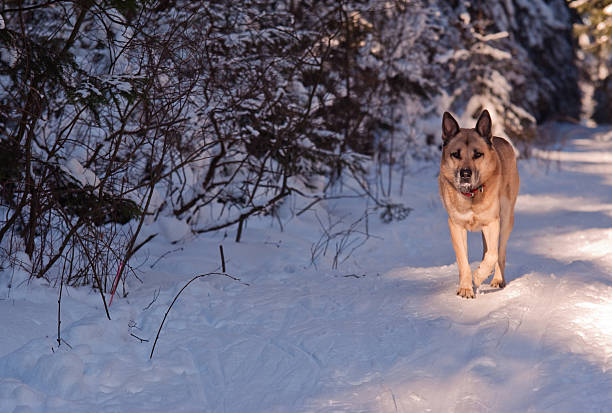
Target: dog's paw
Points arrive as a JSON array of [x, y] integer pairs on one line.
[[465, 292], [496, 283], [480, 275]]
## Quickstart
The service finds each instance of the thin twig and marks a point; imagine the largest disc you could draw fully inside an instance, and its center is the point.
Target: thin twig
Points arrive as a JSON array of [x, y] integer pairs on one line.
[[142, 340], [161, 257], [137, 247], [177, 296], [325, 198], [155, 295]]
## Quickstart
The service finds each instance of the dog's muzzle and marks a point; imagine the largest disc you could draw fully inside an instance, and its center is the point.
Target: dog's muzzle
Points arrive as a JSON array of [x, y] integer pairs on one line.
[[466, 179]]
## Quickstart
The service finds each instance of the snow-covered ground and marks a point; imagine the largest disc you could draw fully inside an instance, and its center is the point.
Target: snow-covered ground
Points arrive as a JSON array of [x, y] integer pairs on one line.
[[384, 332]]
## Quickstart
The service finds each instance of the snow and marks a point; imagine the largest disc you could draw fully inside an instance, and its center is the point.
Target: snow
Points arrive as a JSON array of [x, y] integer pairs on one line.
[[491, 36], [383, 332], [173, 229], [9, 56], [84, 176]]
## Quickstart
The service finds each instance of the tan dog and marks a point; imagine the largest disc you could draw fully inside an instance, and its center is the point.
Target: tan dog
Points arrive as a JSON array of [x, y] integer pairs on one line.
[[479, 183]]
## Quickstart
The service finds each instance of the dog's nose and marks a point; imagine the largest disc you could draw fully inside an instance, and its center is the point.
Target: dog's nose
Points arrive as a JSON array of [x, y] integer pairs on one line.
[[465, 173]]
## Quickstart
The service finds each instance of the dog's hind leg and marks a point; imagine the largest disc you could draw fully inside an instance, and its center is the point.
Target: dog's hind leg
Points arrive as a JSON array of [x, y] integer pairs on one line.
[[484, 245]]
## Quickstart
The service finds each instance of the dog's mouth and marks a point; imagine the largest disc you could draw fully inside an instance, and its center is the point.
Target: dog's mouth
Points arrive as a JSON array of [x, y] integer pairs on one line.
[[467, 184]]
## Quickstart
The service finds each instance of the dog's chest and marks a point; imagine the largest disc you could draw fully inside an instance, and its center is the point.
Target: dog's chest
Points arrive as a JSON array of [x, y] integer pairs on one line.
[[471, 219]]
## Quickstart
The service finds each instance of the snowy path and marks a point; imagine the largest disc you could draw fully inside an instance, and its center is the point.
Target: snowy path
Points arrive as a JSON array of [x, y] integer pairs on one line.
[[384, 333]]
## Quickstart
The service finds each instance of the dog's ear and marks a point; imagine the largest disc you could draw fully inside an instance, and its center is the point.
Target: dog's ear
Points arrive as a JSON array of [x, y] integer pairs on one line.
[[450, 127], [483, 126]]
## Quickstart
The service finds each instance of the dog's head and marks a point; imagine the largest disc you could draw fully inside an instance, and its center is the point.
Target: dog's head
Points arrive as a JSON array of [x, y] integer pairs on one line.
[[468, 157]]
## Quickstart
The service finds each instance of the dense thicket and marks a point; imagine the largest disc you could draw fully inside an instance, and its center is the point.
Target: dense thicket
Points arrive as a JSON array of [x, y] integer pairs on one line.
[[116, 113], [594, 34]]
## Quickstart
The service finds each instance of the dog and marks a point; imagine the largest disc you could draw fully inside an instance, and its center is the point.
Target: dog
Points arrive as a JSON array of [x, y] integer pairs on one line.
[[479, 184]]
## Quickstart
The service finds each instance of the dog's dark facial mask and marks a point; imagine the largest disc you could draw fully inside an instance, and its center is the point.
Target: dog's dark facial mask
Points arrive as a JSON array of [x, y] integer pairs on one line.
[[466, 152]]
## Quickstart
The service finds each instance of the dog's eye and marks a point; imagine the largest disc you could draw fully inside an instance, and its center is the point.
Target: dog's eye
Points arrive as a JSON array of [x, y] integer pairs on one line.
[[456, 155], [477, 154]]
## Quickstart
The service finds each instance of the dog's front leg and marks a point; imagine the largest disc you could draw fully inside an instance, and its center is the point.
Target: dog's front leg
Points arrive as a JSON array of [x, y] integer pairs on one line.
[[491, 235], [459, 238]]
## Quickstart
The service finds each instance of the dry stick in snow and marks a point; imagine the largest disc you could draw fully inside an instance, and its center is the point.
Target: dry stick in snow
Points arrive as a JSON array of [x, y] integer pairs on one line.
[[60, 340], [179, 293], [222, 258], [59, 306]]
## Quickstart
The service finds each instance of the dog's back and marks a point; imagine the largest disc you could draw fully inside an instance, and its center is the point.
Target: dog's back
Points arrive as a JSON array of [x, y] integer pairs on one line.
[[510, 176]]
